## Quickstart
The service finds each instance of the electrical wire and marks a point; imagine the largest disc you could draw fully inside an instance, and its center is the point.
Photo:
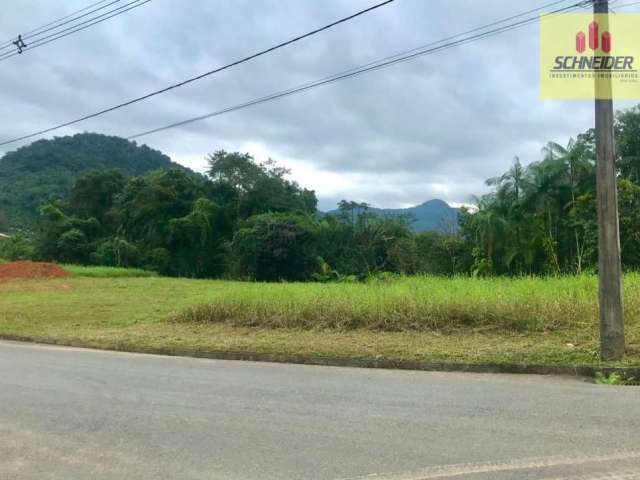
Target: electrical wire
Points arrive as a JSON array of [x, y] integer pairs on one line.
[[624, 5], [203, 75], [386, 62], [52, 25], [78, 27]]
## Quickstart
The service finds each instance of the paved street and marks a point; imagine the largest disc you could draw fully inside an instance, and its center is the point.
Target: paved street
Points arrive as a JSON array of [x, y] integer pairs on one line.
[[79, 414]]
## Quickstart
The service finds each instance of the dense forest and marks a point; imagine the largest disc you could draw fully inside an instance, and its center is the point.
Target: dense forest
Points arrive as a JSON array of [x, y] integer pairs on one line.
[[246, 220], [542, 218]]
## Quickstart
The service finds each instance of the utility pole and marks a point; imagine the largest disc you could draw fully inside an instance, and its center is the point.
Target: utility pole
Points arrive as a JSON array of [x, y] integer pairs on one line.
[[609, 264]]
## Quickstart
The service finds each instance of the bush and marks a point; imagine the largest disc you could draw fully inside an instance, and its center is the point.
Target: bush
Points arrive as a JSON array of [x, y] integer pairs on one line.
[[16, 248]]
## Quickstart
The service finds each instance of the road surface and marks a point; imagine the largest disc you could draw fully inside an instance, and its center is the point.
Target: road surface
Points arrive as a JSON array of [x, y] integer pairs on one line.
[[79, 414]]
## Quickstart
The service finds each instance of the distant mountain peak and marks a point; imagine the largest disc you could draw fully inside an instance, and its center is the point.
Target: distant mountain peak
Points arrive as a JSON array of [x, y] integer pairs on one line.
[[434, 201], [431, 215]]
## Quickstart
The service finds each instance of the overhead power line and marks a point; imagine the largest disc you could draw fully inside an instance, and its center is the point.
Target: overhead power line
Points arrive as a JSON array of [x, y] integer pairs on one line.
[[57, 23], [428, 49], [40, 41], [201, 76], [625, 5]]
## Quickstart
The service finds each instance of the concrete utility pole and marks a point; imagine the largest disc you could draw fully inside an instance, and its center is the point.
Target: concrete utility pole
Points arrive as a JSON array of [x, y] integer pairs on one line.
[[609, 265]]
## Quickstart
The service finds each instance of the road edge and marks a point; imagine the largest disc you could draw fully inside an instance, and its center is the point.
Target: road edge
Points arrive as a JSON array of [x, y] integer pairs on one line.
[[588, 371]]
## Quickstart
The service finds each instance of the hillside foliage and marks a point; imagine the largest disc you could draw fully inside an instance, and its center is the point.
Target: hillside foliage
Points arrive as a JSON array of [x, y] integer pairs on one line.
[[46, 170]]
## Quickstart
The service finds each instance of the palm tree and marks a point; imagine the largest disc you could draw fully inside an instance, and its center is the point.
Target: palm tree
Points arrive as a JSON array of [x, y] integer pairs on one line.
[[489, 226], [549, 185], [513, 182], [577, 164], [511, 189]]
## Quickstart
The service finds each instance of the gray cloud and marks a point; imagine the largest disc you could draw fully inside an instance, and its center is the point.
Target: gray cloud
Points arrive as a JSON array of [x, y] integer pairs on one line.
[[434, 127]]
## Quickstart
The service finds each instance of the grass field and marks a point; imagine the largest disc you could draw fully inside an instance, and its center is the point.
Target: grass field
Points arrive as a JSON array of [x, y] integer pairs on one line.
[[414, 303], [107, 272], [541, 321]]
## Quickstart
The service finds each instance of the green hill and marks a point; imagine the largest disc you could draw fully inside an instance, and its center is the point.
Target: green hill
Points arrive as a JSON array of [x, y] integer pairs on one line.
[[45, 170]]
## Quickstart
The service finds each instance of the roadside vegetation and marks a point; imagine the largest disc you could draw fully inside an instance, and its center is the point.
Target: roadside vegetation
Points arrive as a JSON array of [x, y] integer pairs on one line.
[[530, 320], [414, 303], [512, 281], [615, 379]]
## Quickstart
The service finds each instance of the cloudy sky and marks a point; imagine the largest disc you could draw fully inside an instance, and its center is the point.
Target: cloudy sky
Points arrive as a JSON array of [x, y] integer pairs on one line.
[[436, 127]]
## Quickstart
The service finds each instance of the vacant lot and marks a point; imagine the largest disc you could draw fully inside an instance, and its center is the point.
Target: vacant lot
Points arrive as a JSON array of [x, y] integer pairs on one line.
[[545, 321]]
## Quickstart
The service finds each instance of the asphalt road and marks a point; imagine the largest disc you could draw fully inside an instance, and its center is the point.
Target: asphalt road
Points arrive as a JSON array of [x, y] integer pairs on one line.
[[79, 414]]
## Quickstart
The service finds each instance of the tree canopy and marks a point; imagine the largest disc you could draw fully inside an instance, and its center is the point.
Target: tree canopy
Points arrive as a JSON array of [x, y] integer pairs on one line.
[[247, 220], [541, 219]]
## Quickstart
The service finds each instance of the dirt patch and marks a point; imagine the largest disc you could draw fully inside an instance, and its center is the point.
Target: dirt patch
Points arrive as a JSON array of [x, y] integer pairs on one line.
[[24, 269]]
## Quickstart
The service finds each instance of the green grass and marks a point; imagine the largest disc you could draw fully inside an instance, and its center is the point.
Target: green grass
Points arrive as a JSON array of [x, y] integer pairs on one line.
[[532, 320], [614, 379], [107, 272], [414, 303]]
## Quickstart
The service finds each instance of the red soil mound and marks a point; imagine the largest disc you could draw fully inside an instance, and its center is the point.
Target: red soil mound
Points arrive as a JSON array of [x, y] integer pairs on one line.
[[31, 270]]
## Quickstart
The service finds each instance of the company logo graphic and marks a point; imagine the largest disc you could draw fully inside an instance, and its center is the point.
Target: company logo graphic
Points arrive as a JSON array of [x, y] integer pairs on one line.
[[581, 44], [576, 61], [599, 44]]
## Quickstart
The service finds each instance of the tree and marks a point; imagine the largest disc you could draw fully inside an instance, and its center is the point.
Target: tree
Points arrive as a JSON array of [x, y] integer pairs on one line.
[[239, 170], [147, 205], [541, 218], [276, 246], [442, 254], [356, 241], [350, 210], [578, 162], [195, 242], [403, 256], [513, 182], [53, 223], [16, 247], [4, 221], [260, 187], [94, 194], [66, 238], [116, 252], [629, 212], [627, 128], [73, 247]]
